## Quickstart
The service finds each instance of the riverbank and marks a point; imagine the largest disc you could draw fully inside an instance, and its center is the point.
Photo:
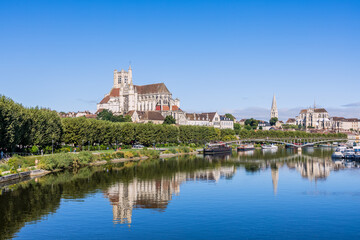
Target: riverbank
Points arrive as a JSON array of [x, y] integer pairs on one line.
[[79, 160]]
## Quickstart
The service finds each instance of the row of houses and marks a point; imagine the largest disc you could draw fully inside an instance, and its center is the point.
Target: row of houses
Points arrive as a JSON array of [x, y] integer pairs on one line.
[[86, 114], [210, 119]]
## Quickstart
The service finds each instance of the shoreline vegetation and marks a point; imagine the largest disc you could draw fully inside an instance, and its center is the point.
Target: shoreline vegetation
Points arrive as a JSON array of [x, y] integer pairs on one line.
[[18, 167]]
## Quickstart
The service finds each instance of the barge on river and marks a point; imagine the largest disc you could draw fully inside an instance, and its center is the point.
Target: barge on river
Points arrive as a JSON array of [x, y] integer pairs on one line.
[[217, 148]]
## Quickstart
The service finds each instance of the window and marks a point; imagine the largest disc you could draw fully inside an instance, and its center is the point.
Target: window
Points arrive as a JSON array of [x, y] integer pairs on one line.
[[119, 80], [126, 79]]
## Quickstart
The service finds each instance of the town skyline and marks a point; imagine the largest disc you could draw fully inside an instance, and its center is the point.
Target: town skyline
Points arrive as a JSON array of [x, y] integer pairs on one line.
[[241, 54]]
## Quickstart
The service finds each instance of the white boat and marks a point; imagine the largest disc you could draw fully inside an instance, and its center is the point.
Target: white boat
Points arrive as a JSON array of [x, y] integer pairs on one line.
[[349, 153], [337, 155], [325, 145], [356, 149], [271, 147], [340, 149]]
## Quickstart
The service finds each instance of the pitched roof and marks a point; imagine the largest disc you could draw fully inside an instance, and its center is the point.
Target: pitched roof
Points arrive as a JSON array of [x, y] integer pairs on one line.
[[290, 120], [105, 99], [99, 111], [200, 116], [152, 88], [130, 113], [115, 92], [350, 120], [211, 115], [150, 115], [320, 110], [337, 118]]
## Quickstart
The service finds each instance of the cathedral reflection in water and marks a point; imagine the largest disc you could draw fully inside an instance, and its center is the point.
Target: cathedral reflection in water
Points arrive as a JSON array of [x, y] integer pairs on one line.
[[155, 194]]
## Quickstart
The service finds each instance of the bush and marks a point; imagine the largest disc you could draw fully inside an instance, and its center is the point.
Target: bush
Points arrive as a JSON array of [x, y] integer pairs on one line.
[[34, 150], [65, 149], [128, 154], [57, 161], [118, 154], [150, 153], [4, 167], [106, 156], [103, 147], [136, 154], [48, 149], [15, 162], [85, 158]]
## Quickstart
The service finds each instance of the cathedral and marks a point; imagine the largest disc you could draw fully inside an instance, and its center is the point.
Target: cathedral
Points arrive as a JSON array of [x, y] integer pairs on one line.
[[125, 97]]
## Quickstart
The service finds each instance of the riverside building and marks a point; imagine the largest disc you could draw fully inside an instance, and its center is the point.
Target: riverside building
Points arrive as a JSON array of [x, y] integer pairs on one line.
[[317, 118]]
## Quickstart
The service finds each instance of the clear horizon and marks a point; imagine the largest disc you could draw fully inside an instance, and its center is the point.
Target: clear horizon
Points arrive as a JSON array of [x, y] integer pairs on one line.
[[213, 55]]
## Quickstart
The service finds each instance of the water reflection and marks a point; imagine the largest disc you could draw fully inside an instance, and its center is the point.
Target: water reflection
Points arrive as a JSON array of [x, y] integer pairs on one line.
[[155, 194], [152, 184]]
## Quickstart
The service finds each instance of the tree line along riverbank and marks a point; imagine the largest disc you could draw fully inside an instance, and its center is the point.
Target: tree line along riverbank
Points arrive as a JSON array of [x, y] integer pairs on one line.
[[31, 129]]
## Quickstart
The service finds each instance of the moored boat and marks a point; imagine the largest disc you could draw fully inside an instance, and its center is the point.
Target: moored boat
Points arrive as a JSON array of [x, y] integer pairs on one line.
[[268, 146], [325, 145], [246, 147], [349, 153], [217, 149], [337, 155]]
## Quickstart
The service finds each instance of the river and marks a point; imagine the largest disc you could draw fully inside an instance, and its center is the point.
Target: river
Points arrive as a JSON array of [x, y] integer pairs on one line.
[[247, 195]]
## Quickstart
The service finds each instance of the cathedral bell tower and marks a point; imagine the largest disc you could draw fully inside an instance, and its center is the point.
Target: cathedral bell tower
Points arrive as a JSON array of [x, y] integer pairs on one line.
[[122, 78]]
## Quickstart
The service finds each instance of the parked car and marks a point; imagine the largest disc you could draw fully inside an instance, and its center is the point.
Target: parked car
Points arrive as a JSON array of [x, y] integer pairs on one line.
[[138, 146]]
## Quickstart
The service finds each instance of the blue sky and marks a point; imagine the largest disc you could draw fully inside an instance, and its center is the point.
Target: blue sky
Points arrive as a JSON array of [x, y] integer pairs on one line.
[[225, 56]]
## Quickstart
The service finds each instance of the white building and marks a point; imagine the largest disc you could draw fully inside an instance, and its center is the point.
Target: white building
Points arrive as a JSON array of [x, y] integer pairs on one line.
[[345, 124], [146, 116], [317, 118], [226, 123], [210, 119]]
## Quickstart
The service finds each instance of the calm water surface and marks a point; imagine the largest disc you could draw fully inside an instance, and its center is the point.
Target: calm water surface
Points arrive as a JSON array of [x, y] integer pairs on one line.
[[251, 195]]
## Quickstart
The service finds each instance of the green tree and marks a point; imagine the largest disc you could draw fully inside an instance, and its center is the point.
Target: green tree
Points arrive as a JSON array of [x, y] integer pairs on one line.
[[169, 120], [229, 115], [253, 123], [273, 121], [105, 115], [109, 116], [46, 127], [237, 128]]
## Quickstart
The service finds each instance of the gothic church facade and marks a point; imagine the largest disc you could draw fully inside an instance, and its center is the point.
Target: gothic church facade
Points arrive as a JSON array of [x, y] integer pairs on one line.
[[125, 96]]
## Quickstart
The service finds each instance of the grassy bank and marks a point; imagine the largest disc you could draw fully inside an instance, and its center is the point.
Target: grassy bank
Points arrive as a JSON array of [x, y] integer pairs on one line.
[[62, 161]]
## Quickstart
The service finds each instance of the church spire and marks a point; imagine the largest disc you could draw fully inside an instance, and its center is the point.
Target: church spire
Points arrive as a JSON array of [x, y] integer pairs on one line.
[[274, 110]]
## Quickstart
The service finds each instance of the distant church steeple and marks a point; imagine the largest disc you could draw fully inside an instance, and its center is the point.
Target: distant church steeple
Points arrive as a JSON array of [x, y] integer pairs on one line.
[[274, 110]]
